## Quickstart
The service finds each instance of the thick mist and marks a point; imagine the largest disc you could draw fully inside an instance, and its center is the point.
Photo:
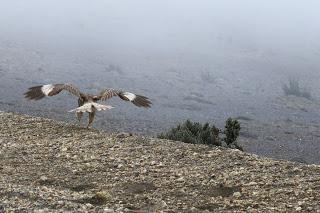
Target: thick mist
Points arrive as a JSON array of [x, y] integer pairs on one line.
[[204, 60]]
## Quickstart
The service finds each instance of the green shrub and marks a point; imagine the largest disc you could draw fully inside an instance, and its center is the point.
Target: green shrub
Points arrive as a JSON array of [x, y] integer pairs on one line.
[[232, 130], [197, 133], [293, 88], [193, 132]]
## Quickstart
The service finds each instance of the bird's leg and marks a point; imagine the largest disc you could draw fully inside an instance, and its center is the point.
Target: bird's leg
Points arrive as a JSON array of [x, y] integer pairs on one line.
[[79, 116], [91, 118]]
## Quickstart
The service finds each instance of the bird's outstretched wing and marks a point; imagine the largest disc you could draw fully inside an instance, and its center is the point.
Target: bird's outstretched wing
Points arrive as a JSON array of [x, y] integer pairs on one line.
[[138, 100], [38, 92]]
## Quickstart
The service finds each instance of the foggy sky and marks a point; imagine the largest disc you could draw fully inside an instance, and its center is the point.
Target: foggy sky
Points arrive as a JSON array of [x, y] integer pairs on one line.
[[291, 26]]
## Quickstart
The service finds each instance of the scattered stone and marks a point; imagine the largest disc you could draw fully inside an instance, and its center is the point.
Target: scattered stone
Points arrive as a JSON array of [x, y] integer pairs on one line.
[[104, 173], [89, 205], [180, 179], [108, 210], [252, 183], [237, 194], [43, 178], [123, 135]]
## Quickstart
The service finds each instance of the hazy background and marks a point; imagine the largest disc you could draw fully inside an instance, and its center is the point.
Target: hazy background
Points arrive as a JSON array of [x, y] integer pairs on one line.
[[204, 60]]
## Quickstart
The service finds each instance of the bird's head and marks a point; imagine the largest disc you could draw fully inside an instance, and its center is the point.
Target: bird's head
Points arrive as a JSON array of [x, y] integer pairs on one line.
[[95, 98]]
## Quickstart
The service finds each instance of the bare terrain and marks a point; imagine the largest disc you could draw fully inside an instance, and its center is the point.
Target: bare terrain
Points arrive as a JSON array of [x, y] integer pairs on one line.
[[50, 166]]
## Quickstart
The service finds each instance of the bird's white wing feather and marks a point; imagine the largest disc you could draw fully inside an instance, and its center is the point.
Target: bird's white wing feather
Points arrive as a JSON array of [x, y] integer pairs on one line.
[[46, 89], [129, 95]]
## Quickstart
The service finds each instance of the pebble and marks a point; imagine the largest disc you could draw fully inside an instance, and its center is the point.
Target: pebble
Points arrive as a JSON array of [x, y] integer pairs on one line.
[[252, 183], [237, 194], [89, 205], [188, 183], [164, 204], [123, 135], [43, 178], [107, 210], [193, 209], [180, 179]]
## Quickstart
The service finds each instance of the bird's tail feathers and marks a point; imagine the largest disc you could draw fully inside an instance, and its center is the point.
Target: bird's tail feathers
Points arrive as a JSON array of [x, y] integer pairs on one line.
[[89, 107]]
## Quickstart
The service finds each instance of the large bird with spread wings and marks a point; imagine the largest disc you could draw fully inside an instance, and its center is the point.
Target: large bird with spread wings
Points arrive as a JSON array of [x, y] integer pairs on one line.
[[86, 102]]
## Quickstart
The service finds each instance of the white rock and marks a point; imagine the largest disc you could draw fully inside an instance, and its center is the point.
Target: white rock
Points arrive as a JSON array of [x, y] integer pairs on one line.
[[300, 203], [252, 183], [43, 178], [164, 204], [107, 210], [180, 179], [89, 205], [237, 194]]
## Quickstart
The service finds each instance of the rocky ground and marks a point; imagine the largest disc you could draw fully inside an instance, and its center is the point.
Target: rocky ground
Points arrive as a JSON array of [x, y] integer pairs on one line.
[[49, 166]]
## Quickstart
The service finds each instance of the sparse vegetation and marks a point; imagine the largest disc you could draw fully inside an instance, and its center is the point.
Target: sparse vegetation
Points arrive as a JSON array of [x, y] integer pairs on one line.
[[232, 130], [193, 132], [244, 118], [114, 68], [208, 77], [294, 88], [197, 133]]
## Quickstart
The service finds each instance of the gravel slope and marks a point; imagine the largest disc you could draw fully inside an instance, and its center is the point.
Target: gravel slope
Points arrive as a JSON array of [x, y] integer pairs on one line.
[[51, 166]]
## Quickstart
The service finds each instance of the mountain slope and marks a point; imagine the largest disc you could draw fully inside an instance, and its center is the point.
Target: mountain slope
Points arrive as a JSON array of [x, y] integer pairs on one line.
[[51, 166]]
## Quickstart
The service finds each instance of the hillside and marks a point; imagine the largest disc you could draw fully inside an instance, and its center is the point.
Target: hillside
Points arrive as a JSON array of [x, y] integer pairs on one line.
[[50, 166]]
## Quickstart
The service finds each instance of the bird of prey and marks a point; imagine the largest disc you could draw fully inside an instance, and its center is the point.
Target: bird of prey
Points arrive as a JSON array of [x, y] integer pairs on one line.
[[86, 102]]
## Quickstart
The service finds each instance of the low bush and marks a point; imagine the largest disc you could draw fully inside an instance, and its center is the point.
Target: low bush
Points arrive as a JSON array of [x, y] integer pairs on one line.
[[232, 130], [293, 88], [197, 133], [193, 132]]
